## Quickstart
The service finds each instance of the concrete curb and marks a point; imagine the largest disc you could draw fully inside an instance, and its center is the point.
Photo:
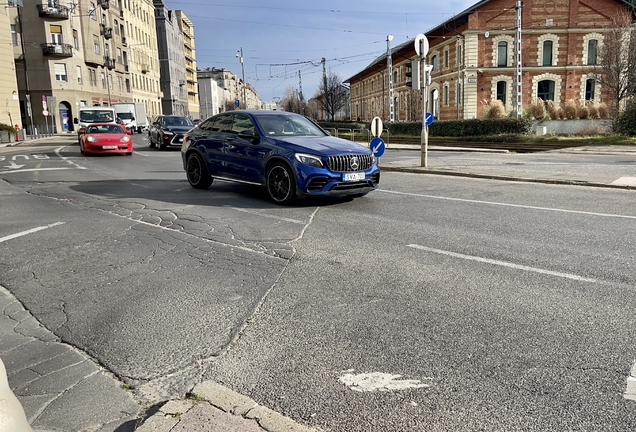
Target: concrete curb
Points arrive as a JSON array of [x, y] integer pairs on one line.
[[229, 402], [420, 170]]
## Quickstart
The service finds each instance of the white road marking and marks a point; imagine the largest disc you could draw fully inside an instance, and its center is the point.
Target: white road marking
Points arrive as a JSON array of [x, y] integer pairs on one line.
[[141, 154], [625, 181], [630, 391], [610, 215], [368, 382], [31, 231], [58, 152], [41, 169], [502, 263]]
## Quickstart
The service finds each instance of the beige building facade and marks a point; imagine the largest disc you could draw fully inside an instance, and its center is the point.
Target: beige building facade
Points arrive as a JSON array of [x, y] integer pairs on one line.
[[9, 98], [141, 37], [187, 30]]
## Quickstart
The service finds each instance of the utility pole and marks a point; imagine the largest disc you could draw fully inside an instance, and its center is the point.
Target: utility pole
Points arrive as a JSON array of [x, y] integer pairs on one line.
[[243, 74], [302, 99], [518, 76], [324, 80]]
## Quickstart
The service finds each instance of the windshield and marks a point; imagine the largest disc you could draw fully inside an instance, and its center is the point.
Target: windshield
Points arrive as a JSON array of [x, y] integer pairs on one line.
[[96, 115], [105, 129], [177, 121], [125, 115], [287, 125]]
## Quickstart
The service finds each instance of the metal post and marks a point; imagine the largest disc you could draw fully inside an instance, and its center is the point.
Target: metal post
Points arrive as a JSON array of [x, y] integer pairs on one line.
[[26, 74], [389, 63], [243, 74], [518, 76]]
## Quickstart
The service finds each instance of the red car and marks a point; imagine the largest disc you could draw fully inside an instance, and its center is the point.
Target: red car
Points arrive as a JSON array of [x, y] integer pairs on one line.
[[105, 138]]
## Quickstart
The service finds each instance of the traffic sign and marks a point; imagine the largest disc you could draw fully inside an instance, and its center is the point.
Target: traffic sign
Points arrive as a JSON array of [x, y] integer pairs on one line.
[[377, 146], [428, 118], [376, 126], [237, 103], [421, 45], [45, 113], [44, 106]]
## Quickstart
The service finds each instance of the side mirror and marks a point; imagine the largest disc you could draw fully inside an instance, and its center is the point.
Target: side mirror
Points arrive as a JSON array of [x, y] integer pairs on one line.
[[81, 131], [75, 120], [128, 131], [133, 119]]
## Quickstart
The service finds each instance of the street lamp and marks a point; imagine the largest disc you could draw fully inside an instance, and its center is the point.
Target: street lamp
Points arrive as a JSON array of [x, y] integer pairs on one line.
[[239, 55], [389, 62]]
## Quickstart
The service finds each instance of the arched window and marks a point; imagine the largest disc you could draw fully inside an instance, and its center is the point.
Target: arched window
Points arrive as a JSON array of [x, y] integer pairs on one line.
[[592, 46], [435, 62], [590, 87], [547, 53], [545, 90], [501, 91], [446, 58], [502, 54]]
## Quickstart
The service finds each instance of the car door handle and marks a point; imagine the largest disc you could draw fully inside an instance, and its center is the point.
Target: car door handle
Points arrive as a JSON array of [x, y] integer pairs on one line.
[[231, 138]]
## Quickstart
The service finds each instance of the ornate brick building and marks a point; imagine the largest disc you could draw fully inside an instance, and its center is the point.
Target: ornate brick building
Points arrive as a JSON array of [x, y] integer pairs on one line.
[[473, 59]]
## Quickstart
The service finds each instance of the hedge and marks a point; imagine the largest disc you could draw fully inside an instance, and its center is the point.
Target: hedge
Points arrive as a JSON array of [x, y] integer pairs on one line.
[[464, 128], [626, 121]]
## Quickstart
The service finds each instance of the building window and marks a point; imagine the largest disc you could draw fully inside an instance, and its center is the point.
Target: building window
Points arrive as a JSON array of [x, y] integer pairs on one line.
[[545, 90], [56, 34], [501, 91], [60, 72], [590, 87], [14, 35], [93, 10], [96, 44], [547, 53], [103, 78], [459, 54], [446, 58], [459, 93], [592, 46], [119, 58], [502, 54], [116, 26], [395, 77], [92, 76], [445, 94], [79, 74], [75, 40], [435, 62]]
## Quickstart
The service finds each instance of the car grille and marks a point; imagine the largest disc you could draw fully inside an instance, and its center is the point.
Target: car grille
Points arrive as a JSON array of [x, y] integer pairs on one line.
[[344, 163], [176, 138]]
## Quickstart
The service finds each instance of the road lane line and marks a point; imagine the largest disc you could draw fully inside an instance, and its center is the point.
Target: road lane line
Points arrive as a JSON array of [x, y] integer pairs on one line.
[[31, 231], [609, 215], [58, 152], [41, 169], [265, 215], [502, 263]]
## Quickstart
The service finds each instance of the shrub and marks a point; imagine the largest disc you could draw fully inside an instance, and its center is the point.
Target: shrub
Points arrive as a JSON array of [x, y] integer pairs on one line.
[[553, 110], [570, 109], [537, 109], [582, 110], [592, 110], [8, 128], [494, 109], [603, 110], [626, 121]]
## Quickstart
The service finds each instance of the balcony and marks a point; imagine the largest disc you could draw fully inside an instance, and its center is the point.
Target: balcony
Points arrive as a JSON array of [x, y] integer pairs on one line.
[[124, 42], [109, 63], [105, 4], [145, 68], [107, 32], [52, 12], [57, 50], [126, 68]]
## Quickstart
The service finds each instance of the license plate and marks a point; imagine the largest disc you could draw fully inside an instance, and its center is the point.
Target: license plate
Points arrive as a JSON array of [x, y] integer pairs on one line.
[[109, 147], [353, 176]]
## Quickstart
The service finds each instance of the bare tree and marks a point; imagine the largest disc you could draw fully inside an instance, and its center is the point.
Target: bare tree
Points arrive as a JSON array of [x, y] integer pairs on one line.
[[228, 105], [291, 101], [616, 66], [336, 96]]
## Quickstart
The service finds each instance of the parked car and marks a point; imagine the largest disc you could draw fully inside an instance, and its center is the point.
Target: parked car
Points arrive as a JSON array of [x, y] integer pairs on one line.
[[167, 130], [105, 138], [284, 152]]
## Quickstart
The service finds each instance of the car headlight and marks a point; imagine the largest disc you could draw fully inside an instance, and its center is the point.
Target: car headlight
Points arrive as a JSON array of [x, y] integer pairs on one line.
[[310, 160], [91, 139], [125, 139], [168, 133]]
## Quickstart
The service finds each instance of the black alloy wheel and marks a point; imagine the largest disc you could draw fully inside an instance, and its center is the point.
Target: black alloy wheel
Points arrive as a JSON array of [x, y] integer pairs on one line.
[[281, 184], [197, 172]]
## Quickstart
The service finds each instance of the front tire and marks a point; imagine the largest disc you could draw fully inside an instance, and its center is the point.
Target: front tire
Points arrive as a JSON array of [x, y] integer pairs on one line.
[[197, 172], [152, 142], [281, 183]]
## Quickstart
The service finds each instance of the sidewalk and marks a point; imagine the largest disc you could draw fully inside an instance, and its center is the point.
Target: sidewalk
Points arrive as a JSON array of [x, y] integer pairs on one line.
[[64, 389]]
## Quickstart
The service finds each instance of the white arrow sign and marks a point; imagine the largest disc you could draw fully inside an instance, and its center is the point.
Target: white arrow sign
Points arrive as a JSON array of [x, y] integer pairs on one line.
[[13, 166]]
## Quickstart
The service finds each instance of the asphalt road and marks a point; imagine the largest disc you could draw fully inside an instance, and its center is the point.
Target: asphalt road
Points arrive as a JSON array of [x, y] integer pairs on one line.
[[469, 304]]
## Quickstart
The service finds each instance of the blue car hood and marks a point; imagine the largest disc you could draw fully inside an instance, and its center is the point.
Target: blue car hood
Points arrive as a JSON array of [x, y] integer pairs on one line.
[[325, 145]]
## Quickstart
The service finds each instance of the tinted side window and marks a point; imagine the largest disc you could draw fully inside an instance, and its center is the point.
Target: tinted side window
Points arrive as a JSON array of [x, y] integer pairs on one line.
[[223, 123], [207, 125], [243, 123]]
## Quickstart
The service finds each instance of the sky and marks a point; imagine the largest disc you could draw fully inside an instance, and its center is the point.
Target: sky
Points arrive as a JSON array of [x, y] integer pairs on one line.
[[281, 38]]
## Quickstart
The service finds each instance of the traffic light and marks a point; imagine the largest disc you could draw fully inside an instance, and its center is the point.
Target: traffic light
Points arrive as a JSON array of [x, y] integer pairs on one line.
[[413, 72]]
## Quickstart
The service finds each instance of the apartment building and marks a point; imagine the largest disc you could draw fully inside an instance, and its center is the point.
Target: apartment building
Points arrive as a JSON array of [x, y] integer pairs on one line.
[[67, 58], [10, 114], [140, 34], [189, 53], [171, 61], [473, 58]]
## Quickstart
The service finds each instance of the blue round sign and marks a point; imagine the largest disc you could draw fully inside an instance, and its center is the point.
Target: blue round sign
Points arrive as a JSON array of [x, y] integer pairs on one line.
[[377, 146], [237, 103], [428, 118]]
